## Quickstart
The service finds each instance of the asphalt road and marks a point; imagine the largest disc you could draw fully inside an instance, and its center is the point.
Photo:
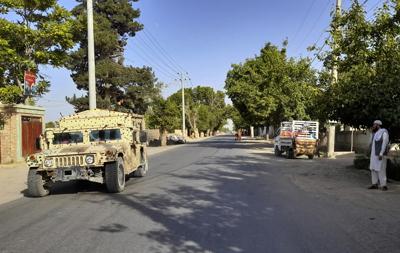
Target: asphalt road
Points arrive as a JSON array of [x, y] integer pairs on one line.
[[212, 196]]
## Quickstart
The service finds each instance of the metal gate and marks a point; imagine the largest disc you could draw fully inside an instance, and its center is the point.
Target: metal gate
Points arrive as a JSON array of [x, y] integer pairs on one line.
[[31, 130]]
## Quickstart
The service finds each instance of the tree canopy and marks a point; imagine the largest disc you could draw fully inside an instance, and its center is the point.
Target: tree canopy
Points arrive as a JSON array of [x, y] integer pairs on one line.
[[204, 107], [39, 35], [271, 87], [368, 60], [114, 22]]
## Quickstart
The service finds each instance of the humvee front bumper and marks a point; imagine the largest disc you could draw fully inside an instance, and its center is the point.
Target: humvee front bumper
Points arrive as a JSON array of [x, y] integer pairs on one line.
[[93, 174]]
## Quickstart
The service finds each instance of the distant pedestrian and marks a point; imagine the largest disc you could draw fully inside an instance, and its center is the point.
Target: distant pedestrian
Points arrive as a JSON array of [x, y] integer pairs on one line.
[[379, 143], [238, 135]]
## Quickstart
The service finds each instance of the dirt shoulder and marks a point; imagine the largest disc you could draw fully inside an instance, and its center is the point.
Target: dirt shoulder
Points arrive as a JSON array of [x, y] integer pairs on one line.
[[337, 179]]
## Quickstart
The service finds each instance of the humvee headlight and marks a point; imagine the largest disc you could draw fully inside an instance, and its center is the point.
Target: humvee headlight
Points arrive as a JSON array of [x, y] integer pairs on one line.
[[89, 159], [48, 162]]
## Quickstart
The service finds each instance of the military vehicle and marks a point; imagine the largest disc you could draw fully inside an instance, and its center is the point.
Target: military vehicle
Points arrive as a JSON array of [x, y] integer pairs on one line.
[[295, 138], [96, 145]]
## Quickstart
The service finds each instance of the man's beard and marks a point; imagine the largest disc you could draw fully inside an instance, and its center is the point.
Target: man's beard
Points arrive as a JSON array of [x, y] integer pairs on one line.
[[374, 130]]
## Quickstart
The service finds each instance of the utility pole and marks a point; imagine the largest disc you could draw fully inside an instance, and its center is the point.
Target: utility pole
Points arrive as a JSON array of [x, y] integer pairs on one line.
[[334, 68], [181, 79], [332, 130], [92, 75]]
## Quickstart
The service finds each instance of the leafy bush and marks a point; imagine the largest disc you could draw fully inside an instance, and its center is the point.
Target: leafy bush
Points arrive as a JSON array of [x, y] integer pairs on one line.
[[393, 169], [361, 162]]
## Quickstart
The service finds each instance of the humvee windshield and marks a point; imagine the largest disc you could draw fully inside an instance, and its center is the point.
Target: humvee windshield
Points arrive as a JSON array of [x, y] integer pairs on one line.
[[105, 135], [67, 138]]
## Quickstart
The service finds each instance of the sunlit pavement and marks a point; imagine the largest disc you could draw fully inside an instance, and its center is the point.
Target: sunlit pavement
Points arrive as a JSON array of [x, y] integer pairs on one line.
[[212, 196]]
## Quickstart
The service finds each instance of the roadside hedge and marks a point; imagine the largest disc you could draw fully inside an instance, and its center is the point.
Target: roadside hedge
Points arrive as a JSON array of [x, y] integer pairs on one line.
[[361, 162]]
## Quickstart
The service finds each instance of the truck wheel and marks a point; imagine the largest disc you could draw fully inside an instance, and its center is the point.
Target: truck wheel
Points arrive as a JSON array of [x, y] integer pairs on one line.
[[290, 154], [277, 151], [115, 176], [36, 184], [143, 167], [310, 157]]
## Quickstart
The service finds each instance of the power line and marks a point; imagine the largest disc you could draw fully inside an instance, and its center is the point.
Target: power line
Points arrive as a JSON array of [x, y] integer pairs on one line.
[[320, 49], [313, 27], [304, 20], [149, 60], [153, 40], [158, 45], [374, 8], [327, 38], [157, 55], [155, 68]]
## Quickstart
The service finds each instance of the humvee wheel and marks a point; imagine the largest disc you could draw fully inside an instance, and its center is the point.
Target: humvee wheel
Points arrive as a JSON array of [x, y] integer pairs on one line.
[[36, 184], [115, 176], [143, 167]]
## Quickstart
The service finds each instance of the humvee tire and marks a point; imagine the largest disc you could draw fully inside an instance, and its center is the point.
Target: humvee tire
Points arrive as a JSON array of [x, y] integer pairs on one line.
[[115, 176], [36, 183], [143, 168]]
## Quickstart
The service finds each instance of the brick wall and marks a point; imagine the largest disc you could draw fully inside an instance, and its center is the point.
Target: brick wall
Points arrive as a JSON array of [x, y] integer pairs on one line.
[[8, 137]]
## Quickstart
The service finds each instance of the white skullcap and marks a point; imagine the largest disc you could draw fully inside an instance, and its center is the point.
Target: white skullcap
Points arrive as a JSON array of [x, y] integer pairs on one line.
[[378, 122]]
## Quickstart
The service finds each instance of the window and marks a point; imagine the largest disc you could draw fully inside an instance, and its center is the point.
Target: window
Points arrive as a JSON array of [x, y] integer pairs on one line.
[[67, 138], [105, 135]]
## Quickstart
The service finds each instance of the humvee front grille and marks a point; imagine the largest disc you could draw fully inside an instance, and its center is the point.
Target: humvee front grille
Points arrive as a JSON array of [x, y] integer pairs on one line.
[[67, 161]]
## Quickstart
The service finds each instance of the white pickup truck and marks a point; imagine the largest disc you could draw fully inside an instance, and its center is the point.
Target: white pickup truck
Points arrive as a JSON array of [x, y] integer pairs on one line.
[[295, 138]]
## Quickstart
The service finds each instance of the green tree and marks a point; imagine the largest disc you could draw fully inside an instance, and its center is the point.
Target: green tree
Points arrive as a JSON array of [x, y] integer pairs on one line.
[[163, 115], [271, 88], [204, 108], [368, 55], [238, 121], [114, 22], [40, 34]]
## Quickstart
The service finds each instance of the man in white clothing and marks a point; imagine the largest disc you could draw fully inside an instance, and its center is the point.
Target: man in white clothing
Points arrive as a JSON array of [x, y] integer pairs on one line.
[[379, 143]]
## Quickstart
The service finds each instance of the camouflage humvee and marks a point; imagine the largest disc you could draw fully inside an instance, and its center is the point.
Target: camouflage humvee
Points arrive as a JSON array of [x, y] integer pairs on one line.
[[95, 145]]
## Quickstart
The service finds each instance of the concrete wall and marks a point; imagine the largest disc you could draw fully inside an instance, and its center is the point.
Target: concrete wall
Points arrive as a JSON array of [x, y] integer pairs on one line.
[[360, 141], [11, 134]]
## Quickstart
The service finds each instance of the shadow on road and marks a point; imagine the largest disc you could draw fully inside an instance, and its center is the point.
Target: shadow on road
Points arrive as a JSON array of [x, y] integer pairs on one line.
[[112, 228], [228, 142], [214, 206]]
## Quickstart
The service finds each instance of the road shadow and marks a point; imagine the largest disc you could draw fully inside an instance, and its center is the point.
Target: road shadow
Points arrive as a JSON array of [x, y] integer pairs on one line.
[[112, 228], [78, 186], [214, 207], [229, 142]]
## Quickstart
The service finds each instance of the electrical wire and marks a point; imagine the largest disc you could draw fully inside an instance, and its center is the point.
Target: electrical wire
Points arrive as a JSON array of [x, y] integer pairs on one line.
[[158, 45], [157, 55], [304, 20], [150, 60], [313, 27]]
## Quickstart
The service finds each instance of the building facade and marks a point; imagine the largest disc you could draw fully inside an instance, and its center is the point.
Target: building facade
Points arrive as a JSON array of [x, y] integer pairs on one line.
[[19, 131]]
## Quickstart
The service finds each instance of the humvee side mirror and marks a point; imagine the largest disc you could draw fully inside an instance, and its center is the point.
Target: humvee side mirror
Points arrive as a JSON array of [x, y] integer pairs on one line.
[[143, 137]]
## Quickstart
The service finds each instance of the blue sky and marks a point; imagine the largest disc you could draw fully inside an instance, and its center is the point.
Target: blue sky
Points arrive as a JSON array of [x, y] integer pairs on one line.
[[205, 37]]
